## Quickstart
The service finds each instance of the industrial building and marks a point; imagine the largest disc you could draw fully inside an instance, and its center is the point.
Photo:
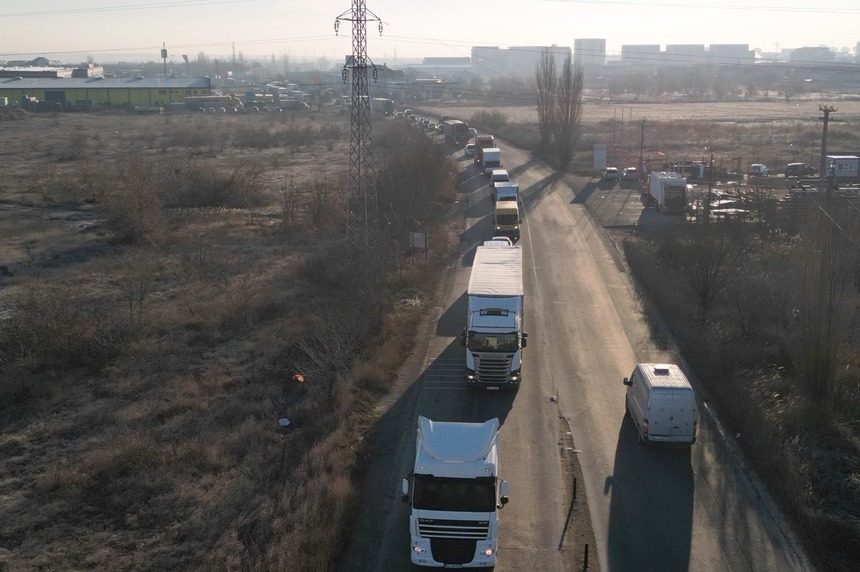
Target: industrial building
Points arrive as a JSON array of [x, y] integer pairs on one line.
[[68, 93]]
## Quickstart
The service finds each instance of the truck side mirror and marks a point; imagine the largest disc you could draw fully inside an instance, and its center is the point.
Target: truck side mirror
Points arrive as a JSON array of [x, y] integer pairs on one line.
[[627, 381], [404, 490], [503, 497], [525, 340], [463, 338]]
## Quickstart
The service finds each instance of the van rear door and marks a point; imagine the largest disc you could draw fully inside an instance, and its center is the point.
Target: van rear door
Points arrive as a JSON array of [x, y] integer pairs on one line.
[[671, 415]]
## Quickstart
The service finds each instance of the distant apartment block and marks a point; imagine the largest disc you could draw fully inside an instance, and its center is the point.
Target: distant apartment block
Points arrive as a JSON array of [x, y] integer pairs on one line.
[[589, 51], [686, 54], [816, 55], [641, 54], [519, 61], [681, 54], [730, 54]]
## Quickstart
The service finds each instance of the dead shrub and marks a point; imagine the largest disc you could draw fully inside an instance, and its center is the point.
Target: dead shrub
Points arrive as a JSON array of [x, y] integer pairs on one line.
[[135, 211], [51, 326], [193, 186], [490, 120]]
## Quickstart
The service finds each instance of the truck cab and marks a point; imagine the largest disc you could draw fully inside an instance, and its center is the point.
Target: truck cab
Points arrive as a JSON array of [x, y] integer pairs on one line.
[[493, 336], [506, 218], [455, 494]]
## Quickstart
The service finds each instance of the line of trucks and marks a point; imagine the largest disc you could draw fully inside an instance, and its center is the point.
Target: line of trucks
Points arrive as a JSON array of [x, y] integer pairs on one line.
[[454, 490]]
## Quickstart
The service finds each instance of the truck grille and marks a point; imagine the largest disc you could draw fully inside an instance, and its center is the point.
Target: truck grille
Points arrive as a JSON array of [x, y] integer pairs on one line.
[[453, 529], [452, 550], [493, 369]]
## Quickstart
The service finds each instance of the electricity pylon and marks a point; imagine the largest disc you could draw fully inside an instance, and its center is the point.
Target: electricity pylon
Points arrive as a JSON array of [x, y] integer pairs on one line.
[[362, 222]]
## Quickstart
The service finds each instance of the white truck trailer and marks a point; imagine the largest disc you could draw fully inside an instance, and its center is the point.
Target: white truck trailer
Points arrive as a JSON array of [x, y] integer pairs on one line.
[[506, 191], [455, 494], [668, 192], [491, 159], [843, 166], [493, 336]]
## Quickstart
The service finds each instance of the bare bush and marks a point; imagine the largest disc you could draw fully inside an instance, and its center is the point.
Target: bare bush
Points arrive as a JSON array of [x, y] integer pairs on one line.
[[134, 208], [52, 326], [289, 199], [491, 120], [194, 186]]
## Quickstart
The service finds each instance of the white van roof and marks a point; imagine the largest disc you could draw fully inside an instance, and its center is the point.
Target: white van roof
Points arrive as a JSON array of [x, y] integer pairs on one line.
[[666, 375]]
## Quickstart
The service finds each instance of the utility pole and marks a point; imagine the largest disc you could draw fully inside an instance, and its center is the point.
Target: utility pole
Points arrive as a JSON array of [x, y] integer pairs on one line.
[[641, 168], [362, 224], [710, 189], [826, 110]]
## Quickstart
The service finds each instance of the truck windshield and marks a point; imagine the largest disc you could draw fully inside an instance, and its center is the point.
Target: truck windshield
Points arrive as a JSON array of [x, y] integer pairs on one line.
[[507, 219], [493, 342], [467, 495]]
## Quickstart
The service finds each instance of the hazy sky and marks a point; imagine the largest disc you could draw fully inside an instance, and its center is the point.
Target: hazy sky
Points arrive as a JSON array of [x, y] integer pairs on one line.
[[304, 29]]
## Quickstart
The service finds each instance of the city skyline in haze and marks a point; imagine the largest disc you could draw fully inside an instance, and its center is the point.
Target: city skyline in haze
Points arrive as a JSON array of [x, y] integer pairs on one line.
[[110, 31]]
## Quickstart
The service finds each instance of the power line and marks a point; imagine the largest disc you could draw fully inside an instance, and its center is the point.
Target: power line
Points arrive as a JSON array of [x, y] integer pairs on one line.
[[121, 7]]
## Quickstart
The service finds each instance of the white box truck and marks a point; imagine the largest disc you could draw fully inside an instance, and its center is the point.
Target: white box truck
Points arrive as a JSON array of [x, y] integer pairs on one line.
[[843, 166], [491, 159], [668, 192], [506, 191], [455, 494], [493, 336], [662, 404]]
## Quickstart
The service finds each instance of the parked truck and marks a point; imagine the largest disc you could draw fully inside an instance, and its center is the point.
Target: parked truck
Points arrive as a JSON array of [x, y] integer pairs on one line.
[[482, 142], [843, 166], [456, 494], [491, 159], [382, 105], [493, 336], [667, 192], [455, 131]]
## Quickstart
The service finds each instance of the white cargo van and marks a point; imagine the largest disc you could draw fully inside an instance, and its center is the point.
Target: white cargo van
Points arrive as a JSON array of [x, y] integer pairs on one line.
[[661, 403]]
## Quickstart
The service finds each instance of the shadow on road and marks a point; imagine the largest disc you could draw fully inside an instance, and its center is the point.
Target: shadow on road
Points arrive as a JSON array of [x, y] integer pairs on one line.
[[651, 505], [453, 319]]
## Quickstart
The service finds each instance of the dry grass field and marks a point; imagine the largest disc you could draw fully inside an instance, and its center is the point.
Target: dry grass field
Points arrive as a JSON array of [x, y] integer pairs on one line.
[[163, 280], [170, 288]]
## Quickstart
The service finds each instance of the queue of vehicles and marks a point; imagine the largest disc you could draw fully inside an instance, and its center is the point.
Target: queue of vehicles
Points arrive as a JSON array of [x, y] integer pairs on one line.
[[454, 490]]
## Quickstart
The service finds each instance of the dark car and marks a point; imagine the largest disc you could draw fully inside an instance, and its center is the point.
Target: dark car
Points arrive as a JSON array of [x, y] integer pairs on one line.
[[799, 170]]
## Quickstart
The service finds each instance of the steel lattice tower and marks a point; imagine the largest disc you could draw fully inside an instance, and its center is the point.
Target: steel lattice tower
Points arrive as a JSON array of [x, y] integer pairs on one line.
[[362, 216]]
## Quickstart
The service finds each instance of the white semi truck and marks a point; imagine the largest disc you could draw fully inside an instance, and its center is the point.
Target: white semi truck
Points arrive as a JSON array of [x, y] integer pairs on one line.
[[493, 336], [455, 494]]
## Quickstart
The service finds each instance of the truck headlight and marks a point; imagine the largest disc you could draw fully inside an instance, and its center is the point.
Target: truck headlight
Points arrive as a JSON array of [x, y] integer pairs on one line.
[[470, 374], [419, 549], [515, 375]]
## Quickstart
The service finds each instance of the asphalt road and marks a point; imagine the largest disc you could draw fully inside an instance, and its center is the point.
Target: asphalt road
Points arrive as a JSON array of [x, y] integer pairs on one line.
[[651, 509]]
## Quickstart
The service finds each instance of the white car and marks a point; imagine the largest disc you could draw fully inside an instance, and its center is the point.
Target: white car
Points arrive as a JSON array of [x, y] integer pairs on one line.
[[469, 150], [758, 170], [610, 174]]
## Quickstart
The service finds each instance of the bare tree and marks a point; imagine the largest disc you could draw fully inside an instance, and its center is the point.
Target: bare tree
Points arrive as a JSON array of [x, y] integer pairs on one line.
[[829, 264], [701, 259], [546, 80], [568, 110]]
